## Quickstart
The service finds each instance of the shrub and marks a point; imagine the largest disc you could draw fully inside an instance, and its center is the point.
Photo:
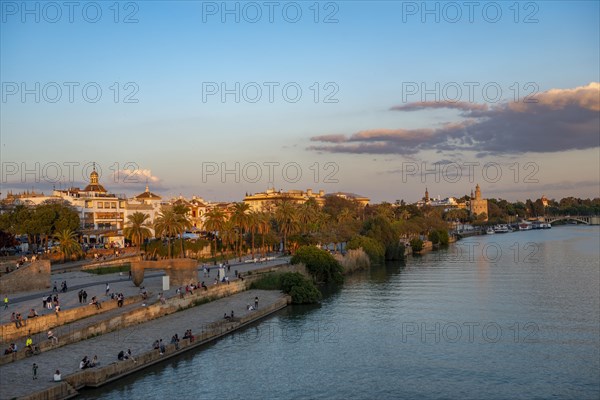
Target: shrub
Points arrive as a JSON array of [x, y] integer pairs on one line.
[[320, 264], [416, 244], [444, 237], [353, 260], [434, 237], [267, 282], [374, 249], [439, 236], [300, 288]]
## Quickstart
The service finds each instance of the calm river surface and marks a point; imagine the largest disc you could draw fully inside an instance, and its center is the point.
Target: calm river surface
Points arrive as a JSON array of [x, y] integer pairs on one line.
[[504, 316]]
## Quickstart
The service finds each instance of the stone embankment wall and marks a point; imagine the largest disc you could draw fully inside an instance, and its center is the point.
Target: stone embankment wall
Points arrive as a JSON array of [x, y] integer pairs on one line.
[[9, 332], [32, 276], [111, 263], [181, 271], [116, 370], [121, 321]]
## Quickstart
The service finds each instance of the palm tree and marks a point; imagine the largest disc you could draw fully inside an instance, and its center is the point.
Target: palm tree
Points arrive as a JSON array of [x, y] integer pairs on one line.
[[167, 224], [69, 243], [263, 224], [181, 210], [137, 228], [228, 235], [253, 222], [214, 221], [308, 215], [286, 216], [240, 219]]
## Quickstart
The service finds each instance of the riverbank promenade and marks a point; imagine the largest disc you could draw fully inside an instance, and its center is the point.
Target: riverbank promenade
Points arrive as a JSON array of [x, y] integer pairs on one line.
[[118, 328], [16, 377]]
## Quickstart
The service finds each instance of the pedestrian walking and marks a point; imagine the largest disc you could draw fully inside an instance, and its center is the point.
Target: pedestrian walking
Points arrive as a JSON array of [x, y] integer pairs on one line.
[[6, 302], [34, 369], [256, 303], [107, 289]]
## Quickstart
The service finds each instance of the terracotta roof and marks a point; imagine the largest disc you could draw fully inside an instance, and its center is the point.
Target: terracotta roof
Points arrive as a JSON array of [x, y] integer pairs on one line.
[[148, 195], [94, 188]]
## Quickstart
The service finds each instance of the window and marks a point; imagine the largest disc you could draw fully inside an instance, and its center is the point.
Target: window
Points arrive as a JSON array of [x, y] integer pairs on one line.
[[100, 204], [113, 205]]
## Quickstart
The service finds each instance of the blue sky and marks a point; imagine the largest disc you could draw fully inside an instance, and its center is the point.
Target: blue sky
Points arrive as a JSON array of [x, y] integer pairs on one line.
[[176, 50]]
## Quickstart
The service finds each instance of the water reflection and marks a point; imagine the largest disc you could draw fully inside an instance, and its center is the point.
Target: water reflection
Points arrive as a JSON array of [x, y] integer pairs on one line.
[[496, 327]]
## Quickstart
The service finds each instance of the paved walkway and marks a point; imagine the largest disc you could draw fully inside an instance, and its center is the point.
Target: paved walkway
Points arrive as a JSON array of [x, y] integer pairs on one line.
[[16, 378], [95, 286]]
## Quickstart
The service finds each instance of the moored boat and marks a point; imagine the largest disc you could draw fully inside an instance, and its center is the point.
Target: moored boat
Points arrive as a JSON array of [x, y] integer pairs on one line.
[[501, 229], [524, 226]]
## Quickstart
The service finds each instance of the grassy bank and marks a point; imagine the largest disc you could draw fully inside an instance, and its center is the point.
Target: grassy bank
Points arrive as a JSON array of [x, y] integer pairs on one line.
[[110, 270]]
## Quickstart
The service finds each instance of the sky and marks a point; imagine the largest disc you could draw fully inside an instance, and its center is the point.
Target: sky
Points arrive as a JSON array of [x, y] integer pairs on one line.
[[377, 98]]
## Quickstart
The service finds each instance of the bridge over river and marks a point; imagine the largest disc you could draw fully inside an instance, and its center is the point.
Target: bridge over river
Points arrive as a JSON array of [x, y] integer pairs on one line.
[[583, 219]]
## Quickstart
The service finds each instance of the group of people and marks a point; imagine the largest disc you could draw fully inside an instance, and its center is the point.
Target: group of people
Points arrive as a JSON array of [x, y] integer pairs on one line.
[[17, 319], [189, 289], [56, 378], [96, 302], [188, 335], [122, 356], [50, 301], [63, 287], [52, 337], [120, 297], [251, 308], [229, 317], [22, 261], [82, 296], [98, 257], [87, 363], [12, 348], [32, 314], [175, 341], [159, 345]]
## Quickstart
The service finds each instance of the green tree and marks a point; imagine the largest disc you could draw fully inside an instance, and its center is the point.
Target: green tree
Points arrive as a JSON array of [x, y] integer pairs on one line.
[[320, 264], [263, 221], [287, 219], [167, 224], [434, 237], [215, 219], [241, 219], [416, 244], [181, 211], [374, 249], [380, 229], [69, 243], [137, 228]]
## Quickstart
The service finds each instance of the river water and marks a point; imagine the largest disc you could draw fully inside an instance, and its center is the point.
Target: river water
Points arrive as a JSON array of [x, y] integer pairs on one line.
[[504, 316]]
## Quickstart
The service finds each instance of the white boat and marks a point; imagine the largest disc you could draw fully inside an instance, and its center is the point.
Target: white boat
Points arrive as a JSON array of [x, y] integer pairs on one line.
[[501, 229], [524, 226], [490, 231]]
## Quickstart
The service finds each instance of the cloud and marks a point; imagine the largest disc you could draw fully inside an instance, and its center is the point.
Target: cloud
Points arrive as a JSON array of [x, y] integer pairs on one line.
[[559, 120], [129, 176], [457, 105]]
